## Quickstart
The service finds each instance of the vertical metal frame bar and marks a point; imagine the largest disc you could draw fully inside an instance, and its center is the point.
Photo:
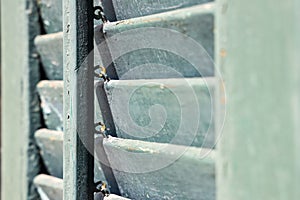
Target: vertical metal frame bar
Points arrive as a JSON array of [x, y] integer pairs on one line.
[[258, 53], [78, 94], [20, 105], [12, 106]]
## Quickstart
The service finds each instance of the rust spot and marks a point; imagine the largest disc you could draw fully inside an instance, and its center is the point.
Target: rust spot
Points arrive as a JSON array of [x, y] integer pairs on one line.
[[124, 22], [223, 100], [223, 53], [131, 149], [52, 138], [152, 19]]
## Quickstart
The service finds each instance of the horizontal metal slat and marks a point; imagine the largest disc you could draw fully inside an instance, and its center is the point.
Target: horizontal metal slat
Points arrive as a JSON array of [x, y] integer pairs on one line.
[[177, 111], [49, 187], [182, 41], [51, 14], [126, 9], [50, 48], [51, 95], [51, 149], [143, 170]]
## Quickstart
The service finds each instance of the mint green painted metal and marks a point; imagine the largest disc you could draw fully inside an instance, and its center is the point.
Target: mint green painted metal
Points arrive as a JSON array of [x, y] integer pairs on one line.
[[51, 14], [51, 149], [194, 23], [20, 105], [161, 110], [49, 187], [189, 176], [50, 48], [126, 9], [78, 97], [51, 97], [258, 53]]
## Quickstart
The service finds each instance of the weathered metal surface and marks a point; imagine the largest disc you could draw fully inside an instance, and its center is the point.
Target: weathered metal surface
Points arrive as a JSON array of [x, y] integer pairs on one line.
[[20, 105], [178, 111], [126, 9], [98, 172], [102, 103], [49, 187], [100, 196], [102, 54], [115, 197], [258, 54], [186, 50], [50, 48], [78, 96], [188, 176], [51, 95], [109, 10], [51, 14], [102, 160], [51, 149]]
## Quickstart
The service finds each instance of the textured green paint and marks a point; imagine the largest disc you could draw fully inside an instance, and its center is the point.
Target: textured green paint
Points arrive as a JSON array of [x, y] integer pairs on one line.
[[126, 9], [176, 96], [99, 196], [50, 48], [51, 149], [49, 187], [20, 105], [115, 197], [78, 100], [51, 95], [196, 22], [52, 188], [51, 14], [189, 177], [258, 53]]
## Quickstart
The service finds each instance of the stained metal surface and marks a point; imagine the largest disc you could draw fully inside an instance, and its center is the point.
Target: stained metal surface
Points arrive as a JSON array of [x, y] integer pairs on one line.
[[51, 97], [162, 110], [51, 149], [50, 48], [168, 39], [49, 187], [78, 94], [189, 176], [126, 9]]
